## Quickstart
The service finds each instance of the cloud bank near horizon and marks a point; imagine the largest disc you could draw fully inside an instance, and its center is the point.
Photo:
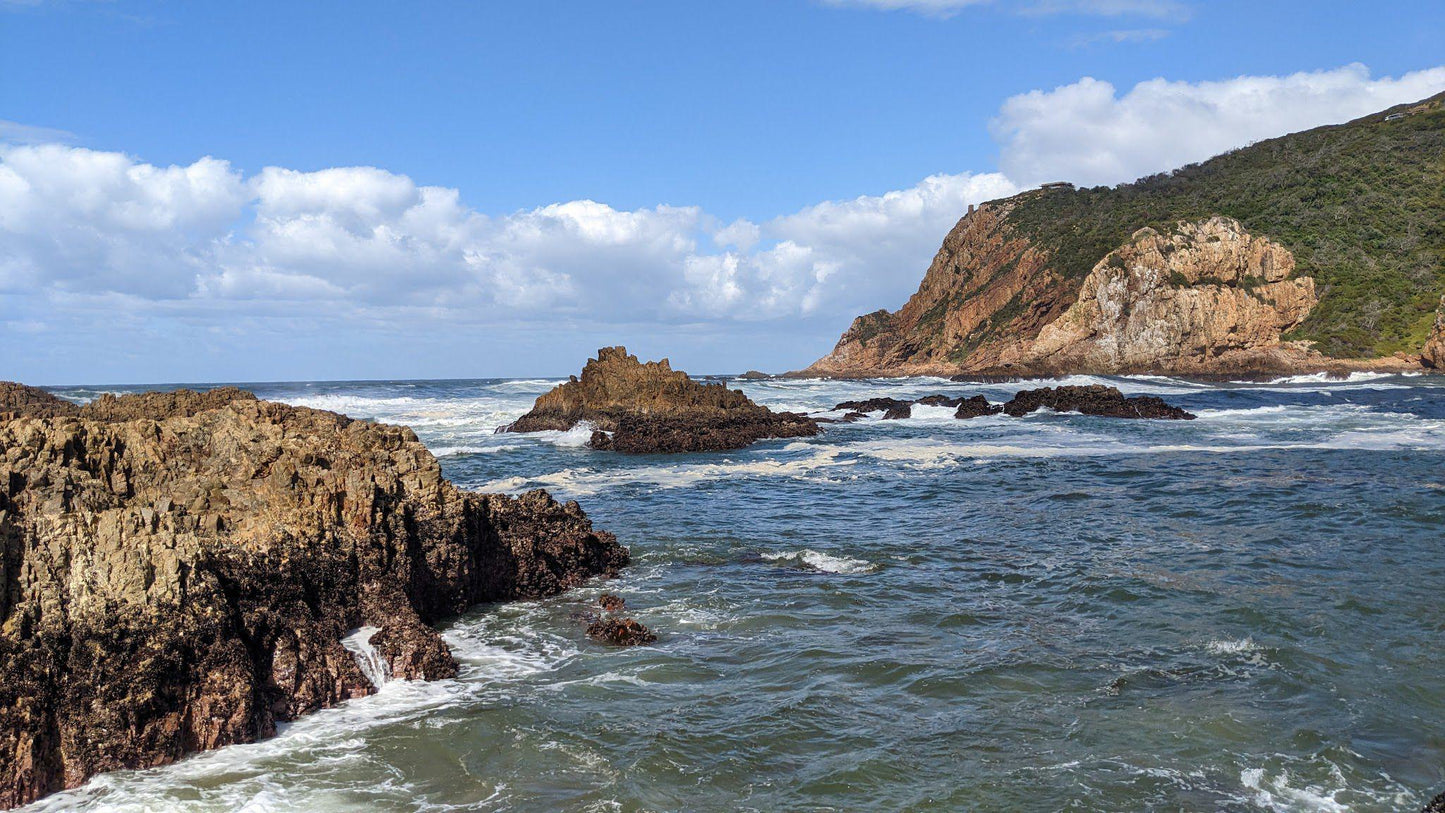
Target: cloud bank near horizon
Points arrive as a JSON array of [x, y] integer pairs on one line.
[[203, 248]]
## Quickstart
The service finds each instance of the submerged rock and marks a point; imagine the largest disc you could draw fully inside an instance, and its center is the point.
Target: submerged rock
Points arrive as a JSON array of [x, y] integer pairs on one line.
[[1095, 399], [621, 632], [646, 408], [179, 570]]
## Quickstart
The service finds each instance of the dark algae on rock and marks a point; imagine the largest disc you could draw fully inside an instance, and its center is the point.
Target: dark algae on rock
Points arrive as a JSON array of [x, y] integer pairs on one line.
[[651, 408], [179, 569]]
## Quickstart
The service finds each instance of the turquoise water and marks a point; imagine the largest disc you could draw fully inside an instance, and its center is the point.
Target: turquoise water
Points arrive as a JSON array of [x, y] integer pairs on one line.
[[1051, 613]]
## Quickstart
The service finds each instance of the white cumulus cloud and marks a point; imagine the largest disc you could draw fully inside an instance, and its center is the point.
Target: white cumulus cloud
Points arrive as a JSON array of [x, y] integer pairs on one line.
[[1087, 133]]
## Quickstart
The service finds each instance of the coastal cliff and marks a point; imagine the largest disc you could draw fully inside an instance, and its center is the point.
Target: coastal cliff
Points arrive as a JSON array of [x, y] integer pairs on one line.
[[177, 572], [1316, 251]]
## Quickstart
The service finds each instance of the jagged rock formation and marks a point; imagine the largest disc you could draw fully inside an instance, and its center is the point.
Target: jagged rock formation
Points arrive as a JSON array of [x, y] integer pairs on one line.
[[18, 399], [1095, 399], [177, 572], [1317, 251], [643, 408]]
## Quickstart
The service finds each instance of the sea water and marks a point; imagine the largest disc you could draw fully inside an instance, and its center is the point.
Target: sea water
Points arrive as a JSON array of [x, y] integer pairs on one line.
[[1056, 612]]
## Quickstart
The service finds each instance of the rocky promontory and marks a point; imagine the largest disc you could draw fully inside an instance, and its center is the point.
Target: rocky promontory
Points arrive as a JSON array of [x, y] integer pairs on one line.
[[646, 408], [178, 571], [1306, 253]]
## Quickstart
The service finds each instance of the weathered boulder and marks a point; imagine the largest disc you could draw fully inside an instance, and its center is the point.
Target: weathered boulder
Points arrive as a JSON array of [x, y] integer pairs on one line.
[[182, 581], [1436, 805], [1095, 399], [611, 603], [651, 408], [621, 632]]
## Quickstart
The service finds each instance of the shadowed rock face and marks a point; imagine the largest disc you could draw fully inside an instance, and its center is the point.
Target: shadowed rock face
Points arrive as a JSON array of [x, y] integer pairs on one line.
[[642, 408], [177, 572], [1095, 399], [975, 407]]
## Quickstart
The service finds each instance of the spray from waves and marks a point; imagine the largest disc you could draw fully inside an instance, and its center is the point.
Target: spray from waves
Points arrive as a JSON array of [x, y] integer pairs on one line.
[[375, 667], [495, 649], [822, 562]]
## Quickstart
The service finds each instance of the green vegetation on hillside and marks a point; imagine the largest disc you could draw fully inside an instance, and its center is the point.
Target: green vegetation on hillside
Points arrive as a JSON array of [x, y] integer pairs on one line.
[[1361, 205]]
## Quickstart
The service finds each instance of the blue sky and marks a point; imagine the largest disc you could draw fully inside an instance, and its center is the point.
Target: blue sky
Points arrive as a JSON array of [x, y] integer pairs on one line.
[[496, 188]]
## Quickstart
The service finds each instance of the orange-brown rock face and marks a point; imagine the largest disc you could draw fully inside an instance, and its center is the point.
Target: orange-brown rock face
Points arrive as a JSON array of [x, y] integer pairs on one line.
[[1208, 296], [643, 408], [182, 581], [986, 287], [1433, 356]]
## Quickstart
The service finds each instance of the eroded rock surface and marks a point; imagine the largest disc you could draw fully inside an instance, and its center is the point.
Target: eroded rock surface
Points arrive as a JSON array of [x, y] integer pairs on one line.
[[1433, 355], [1207, 296], [1095, 399], [646, 408], [18, 399], [178, 575], [621, 632]]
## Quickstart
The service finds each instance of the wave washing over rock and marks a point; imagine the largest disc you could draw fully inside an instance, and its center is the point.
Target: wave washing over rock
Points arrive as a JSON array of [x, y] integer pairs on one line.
[[646, 408], [179, 571]]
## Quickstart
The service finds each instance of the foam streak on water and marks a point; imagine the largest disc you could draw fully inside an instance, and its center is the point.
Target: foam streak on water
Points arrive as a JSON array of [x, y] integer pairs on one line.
[[1239, 612]]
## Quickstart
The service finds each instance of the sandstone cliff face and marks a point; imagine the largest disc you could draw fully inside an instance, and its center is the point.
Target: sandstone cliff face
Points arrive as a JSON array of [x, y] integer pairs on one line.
[[182, 581], [642, 408], [1207, 297], [985, 286], [1433, 356]]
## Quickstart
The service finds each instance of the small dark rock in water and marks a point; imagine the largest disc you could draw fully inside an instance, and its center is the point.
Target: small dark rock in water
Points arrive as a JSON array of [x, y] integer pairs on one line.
[[976, 407], [621, 632], [753, 375], [611, 603], [667, 434], [853, 417], [898, 413], [940, 400], [1436, 805], [1095, 399], [892, 408]]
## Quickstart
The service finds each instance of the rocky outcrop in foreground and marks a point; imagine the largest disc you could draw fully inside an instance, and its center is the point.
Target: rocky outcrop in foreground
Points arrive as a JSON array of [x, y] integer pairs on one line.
[[645, 408], [177, 572], [1095, 399]]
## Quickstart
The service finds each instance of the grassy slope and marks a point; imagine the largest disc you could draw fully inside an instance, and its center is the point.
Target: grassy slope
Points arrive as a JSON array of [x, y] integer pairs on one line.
[[1361, 205]]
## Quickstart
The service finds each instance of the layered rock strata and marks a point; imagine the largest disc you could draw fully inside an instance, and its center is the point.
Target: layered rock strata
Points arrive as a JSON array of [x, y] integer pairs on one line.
[[651, 408], [177, 572]]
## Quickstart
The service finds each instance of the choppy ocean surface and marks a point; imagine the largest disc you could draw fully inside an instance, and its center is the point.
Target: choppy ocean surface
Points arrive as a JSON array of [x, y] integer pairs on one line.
[[1242, 612]]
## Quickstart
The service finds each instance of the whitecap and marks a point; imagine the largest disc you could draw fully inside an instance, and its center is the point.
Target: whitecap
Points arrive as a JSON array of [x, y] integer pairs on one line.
[[824, 562]]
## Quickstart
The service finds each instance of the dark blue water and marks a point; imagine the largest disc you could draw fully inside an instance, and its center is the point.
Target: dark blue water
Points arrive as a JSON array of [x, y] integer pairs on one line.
[[1051, 613]]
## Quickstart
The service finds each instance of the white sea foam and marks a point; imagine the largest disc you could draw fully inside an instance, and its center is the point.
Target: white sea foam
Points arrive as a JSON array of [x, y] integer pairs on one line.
[[1243, 646], [824, 562], [375, 667]]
